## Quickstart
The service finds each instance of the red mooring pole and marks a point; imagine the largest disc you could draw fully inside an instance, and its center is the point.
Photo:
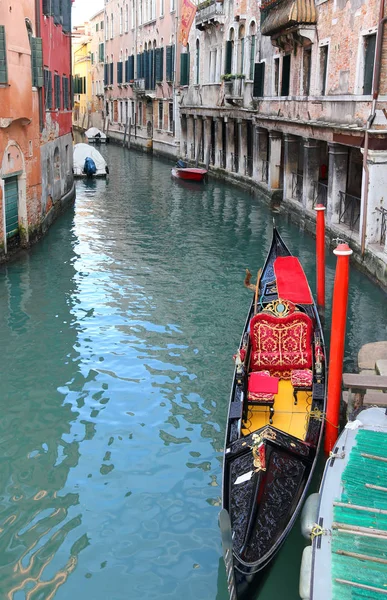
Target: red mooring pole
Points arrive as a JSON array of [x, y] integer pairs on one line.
[[320, 256], [339, 318]]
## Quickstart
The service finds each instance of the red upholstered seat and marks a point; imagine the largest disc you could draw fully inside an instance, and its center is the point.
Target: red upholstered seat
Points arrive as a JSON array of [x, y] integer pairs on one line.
[[254, 393], [281, 343], [302, 378]]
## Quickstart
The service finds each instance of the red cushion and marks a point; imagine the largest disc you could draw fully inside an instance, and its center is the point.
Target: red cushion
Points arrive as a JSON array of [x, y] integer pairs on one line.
[[302, 378], [281, 343], [261, 387]]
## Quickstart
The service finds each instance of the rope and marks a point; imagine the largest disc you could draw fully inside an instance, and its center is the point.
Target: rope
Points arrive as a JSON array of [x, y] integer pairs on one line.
[[316, 531], [337, 455], [318, 414]]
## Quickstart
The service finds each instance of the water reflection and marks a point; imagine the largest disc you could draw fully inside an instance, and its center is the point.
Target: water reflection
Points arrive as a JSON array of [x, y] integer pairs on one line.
[[119, 332]]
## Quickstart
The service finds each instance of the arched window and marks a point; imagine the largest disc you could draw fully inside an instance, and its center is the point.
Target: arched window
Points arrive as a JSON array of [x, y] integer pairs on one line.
[[228, 65], [197, 78], [241, 50]]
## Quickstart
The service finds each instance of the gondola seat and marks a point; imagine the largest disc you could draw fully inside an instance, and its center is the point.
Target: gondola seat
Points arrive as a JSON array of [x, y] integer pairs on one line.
[[256, 384], [301, 379], [281, 344]]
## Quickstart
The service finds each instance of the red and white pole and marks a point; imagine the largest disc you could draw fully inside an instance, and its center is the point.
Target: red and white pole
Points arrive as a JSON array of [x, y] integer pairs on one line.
[[320, 256], [339, 318]]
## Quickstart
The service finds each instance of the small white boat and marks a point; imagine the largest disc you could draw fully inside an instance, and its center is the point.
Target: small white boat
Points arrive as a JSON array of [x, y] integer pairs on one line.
[[95, 136], [83, 166]]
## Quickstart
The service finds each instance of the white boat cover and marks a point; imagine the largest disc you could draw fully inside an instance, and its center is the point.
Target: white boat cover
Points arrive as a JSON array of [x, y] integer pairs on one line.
[[93, 131], [81, 152]]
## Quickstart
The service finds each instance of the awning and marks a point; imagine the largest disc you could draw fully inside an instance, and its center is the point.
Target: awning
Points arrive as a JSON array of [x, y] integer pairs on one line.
[[291, 280], [288, 13]]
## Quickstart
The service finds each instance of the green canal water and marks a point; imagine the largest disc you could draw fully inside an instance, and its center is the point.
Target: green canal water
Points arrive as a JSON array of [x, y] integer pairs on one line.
[[117, 334]]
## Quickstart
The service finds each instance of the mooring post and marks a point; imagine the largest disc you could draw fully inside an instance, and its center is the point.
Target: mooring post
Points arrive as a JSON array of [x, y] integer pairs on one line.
[[320, 256], [336, 357]]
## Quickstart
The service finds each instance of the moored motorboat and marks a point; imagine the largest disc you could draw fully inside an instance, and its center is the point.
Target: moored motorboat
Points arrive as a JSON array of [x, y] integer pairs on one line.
[[182, 171], [88, 162], [347, 520], [275, 420], [95, 136]]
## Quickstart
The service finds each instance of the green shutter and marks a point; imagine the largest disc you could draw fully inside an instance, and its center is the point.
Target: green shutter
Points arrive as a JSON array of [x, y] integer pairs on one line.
[[48, 89], [228, 63], [3, 56], [11, 206], [37, 62], [259, 80], [169, 63], [101, 52], [184, 69]]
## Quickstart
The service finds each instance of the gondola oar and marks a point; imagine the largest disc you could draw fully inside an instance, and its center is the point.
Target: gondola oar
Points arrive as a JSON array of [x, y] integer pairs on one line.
[[226, 533]]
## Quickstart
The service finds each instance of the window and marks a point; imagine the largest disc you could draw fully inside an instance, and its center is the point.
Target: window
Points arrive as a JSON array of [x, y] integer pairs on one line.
[[213, 58], [306, 71], [132, 13], [197, 79], [170, 57], [96, 27], [161, 114], [3, 56], [107, 29], [119, 72], [101, 51], [161, 8], [252, 56], [276, 77], [111, 26], [369, 60], [126, 18], [65, 92], [170, 117], [48, 89], [140, 113], [259, 80], [36, 62], [101, 26], [285, 84], [184, 69], [323, 68], [121, 21], [229, 54], [241, 50], [57, 91], [172, 5], [111, 78], [159, 64]]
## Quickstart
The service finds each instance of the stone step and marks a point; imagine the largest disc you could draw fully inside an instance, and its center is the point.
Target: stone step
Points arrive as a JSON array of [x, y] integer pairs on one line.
[[381, 366], [374, 398], [369, 354]]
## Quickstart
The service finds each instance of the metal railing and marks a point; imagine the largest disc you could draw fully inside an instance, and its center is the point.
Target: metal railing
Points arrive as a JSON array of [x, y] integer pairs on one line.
[[349, 211], [185, 149], [234, 162], [211, 155], [265, 171], [297, 186], [139, 85], [192, 151], [222, 159], [383, 225], [209, 12], [248, 165], [320, 194]]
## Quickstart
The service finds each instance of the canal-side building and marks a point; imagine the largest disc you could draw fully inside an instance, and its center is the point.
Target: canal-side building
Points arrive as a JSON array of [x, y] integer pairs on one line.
[[97, 59], [140, 73], [82, 76], [291, 98], [35, 119]]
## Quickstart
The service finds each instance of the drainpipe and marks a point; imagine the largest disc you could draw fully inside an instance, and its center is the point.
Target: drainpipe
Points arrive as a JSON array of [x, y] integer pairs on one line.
[[375, 95], [38, 34]]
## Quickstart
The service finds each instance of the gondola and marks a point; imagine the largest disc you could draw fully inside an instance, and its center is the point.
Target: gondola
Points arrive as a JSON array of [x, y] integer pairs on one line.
[[275, 420]]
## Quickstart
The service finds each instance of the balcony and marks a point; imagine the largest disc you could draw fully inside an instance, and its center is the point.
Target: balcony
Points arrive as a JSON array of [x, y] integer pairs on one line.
[[233, 91], [139, 86], [209, 13], [288, 22]]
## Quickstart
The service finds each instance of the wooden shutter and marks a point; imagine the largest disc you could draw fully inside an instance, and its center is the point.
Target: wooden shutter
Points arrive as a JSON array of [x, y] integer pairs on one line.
[[184, 69], [152, 69], [127, 70], [65, 92], [101, 52], [259, 80], [105, 74], [37, 62], [111, 81], [161, 64], [3, 56], [57, 91], [169, 63], [119, 72], [131, 67], [66, 16], [369, 60], [48, 89], [56, 11], [228, 63], [146, 69], [285, 75]]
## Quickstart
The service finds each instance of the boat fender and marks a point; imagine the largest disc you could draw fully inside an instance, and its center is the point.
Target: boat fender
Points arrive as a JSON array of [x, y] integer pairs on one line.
[[89, 167], [305, 573], [309, 515]]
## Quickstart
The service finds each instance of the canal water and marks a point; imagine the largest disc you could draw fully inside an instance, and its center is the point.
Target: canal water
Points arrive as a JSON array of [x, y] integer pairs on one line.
[[117, 335]]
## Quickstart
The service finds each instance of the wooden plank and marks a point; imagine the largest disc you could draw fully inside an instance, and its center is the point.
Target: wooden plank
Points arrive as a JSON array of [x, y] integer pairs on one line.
[[378, 511], [366, 557], [375, 487], [364, 382], [355, 529], [373, 456], [362, 586]]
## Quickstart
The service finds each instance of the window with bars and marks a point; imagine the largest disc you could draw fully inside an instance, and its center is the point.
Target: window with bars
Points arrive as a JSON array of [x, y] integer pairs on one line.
[[47, 89]]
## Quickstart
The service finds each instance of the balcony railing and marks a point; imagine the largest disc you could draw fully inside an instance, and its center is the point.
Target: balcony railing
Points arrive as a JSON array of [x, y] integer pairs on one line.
[[383, 225], [139, 85], [297, 186], [248, 166], [208, 14], [192, 151], [222, 159], [320, 194], [349, 211], [234, 162], [265, 171]]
